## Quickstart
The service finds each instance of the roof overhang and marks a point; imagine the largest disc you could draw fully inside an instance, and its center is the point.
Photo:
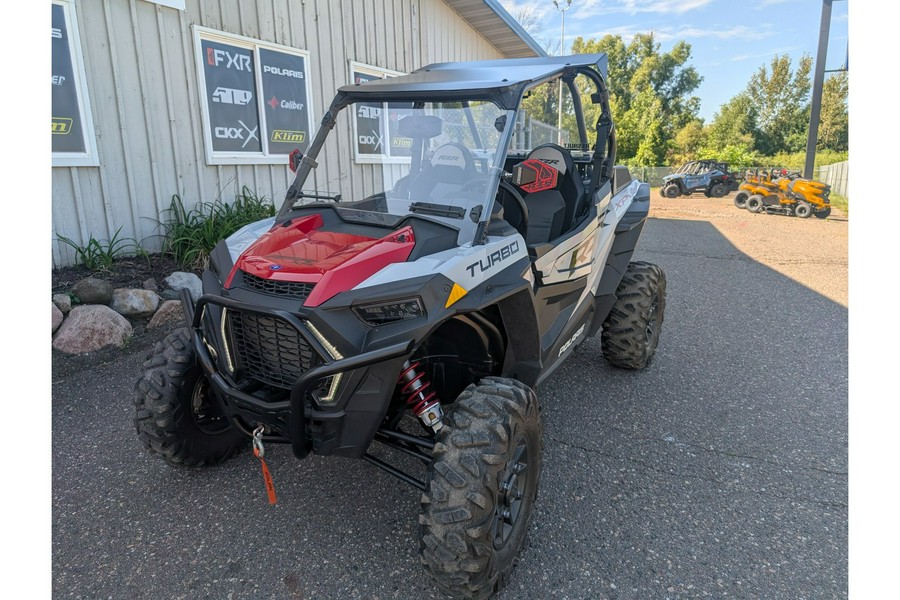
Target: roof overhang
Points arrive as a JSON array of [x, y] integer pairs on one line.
[[490, 19]]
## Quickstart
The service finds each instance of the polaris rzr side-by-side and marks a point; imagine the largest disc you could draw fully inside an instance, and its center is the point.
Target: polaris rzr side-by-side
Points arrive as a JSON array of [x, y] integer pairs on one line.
[[419, 306], [707, 176]]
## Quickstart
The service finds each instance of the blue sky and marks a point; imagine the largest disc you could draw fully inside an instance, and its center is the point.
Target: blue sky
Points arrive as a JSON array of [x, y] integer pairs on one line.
[[729, 39]]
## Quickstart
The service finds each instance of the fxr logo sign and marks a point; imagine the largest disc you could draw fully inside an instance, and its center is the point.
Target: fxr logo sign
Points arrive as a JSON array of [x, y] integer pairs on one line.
[[239, 62], [232, 96], [237, 133]]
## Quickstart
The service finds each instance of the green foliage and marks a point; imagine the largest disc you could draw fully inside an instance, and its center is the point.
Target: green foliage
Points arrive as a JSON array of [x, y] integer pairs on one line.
[[190, 235], [797, 160], [780, 97], [650, 94], [834, 123], [688, 143], [99, 255]]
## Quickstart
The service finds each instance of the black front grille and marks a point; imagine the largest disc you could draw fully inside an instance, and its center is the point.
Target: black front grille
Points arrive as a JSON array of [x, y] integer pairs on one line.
[[285, 289], [269, 349]]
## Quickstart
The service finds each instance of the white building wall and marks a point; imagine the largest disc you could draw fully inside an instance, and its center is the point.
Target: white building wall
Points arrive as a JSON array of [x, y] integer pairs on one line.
[[143, 86]]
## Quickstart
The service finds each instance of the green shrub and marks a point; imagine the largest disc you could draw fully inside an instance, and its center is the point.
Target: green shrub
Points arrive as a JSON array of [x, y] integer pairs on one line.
[[190, 235], [99, 255]]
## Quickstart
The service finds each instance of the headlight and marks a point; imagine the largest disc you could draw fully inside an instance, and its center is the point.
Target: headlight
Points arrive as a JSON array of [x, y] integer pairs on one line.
[[334, 381], [389, 312]]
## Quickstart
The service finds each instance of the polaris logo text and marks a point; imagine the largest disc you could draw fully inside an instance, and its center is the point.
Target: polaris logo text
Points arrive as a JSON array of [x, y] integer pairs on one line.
[[494, 258], [232, 96], [282, 135], [571, 341], [239, 62], [283, 72]]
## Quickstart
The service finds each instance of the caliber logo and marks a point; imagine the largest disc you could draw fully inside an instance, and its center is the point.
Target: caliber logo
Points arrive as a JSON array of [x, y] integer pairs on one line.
[[232, 96], [291, 104], [283, 72], [494, 258], [237, 133], [61, 126], [239, 62], [571, 341], [58, 79], [282, 135]]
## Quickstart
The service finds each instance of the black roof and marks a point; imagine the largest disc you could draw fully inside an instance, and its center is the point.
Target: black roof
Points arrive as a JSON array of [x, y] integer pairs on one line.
[[502, 80]]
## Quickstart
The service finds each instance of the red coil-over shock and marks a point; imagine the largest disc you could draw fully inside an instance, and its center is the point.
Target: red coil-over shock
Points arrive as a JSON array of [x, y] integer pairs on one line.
[[423, 402]]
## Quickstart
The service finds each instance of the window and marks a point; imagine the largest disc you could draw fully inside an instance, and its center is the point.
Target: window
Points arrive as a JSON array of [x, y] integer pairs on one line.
[[72, 125], [256, 99], [375, 124]]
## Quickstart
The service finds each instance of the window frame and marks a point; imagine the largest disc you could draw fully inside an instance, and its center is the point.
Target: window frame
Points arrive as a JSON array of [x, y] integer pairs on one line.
[[90, 157], [264, 157], [373, 159]]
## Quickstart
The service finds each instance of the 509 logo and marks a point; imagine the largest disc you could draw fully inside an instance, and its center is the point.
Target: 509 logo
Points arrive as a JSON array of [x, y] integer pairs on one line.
[[237, 133], [224, 95]]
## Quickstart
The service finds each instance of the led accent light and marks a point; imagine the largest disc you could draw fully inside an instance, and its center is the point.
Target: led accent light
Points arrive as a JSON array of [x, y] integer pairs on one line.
[[228, 360], [335, 355]]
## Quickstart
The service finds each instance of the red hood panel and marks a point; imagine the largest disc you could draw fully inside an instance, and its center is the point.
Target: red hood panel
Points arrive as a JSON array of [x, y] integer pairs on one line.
[[335, 262]]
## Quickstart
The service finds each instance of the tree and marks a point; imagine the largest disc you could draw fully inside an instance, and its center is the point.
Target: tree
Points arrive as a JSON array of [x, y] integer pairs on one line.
[[780, 98], [689, 143], [649, 94], [834, 123], [734, 123]]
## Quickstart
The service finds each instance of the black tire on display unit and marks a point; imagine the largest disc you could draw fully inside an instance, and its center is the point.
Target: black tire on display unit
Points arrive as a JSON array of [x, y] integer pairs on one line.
[[823, 214], [718, 190], [754, 203], [481, 487], [671, 191], [175, 416], [631, 330], [803, 209], [740, 199]]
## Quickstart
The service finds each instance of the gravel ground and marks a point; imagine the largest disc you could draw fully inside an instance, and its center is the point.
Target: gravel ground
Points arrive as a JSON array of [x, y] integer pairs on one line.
[[719, 472]]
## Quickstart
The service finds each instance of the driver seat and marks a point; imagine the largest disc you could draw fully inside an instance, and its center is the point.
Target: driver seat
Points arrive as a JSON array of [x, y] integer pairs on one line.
[[552, 212], [451, 166]]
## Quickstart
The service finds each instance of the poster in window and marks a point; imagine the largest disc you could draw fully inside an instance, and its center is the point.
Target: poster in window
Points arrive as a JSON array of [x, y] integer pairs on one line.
[[369, 121], [68, 131], [231, 97], [286, 104], [399, 145]]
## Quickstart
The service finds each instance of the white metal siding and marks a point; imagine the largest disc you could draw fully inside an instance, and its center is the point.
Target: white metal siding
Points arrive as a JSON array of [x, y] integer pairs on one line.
[[142, 81]]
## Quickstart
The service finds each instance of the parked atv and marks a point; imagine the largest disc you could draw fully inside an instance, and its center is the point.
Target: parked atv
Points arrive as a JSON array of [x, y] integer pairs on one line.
[[423, 315], [707, 176]]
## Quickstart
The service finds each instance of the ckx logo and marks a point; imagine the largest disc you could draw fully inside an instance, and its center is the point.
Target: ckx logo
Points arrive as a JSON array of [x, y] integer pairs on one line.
[[494, 258], [373, 140], [237, 133], [232, 96], [239, 62]]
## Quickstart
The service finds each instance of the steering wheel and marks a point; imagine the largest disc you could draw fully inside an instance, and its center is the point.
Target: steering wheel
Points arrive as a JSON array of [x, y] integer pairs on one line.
[[509, 188], [473, 184]]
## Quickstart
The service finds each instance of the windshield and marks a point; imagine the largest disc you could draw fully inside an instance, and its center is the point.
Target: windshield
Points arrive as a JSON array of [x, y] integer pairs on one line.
[[435, 160]]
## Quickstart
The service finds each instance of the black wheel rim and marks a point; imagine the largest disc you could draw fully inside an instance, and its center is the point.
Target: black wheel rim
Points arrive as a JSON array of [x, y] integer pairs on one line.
[[510, 500], [204, 411]]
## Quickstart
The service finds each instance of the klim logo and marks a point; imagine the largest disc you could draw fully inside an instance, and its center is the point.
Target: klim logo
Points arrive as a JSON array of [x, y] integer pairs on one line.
[[236, 61], [281, 135], [61, 126], [237, 133], [401, 142], [232, 96], [283, 72]]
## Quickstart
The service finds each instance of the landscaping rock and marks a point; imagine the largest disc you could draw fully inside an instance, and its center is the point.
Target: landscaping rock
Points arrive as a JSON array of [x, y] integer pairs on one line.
[[170, 294], [90, 328], [169, 312], [134, 303], [91, 290], [180, 280], [57, 317], [63, 302], [150, 284]]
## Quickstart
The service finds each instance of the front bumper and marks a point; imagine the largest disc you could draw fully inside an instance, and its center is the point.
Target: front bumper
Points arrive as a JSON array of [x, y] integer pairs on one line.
[[344, 430]]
